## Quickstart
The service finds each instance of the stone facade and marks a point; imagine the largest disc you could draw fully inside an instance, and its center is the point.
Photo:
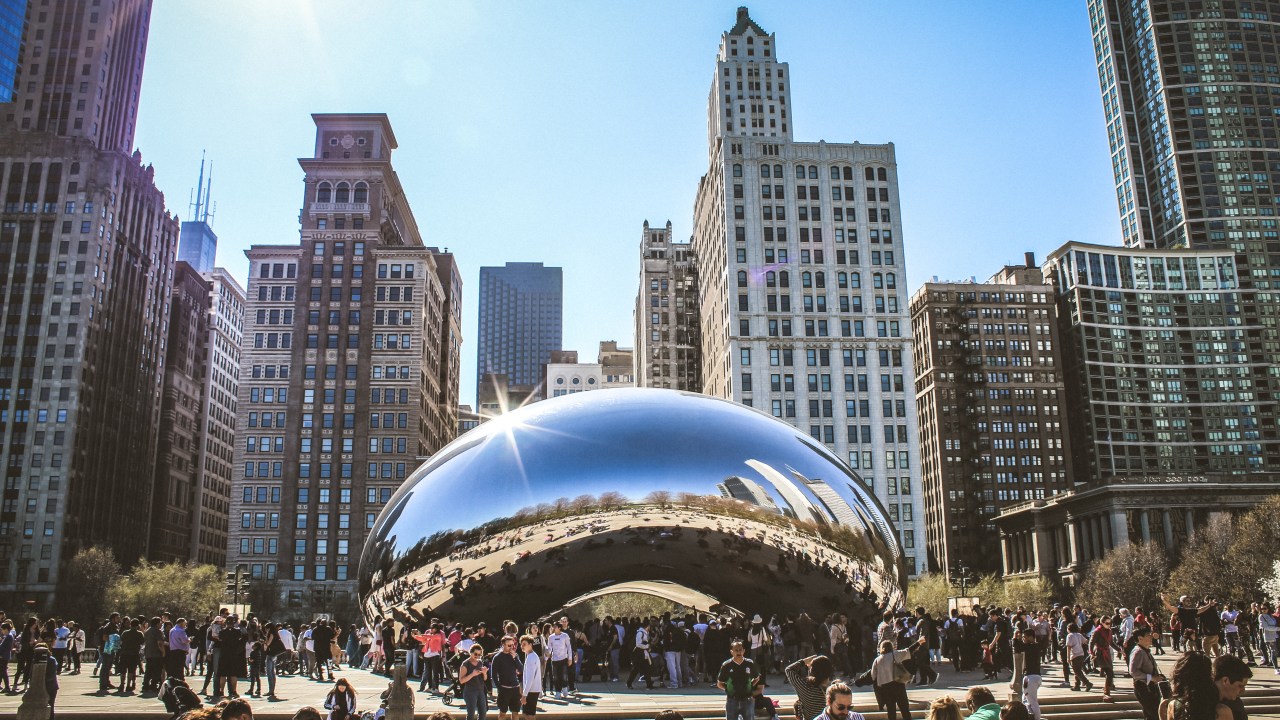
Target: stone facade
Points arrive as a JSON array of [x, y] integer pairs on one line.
[[802, 279], [667, 350], [348, 371]]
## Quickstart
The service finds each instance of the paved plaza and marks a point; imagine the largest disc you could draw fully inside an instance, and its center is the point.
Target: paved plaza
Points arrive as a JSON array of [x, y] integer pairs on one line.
[[78, 698]]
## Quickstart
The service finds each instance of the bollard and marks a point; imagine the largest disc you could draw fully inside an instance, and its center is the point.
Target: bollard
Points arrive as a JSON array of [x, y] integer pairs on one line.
[[35, 701], [400, 700]]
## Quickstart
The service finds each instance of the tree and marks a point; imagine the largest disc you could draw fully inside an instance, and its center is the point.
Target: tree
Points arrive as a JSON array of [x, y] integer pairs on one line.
[[85, 583], [1034, 594], [930, 591], [1271, 584], [1257, 537], [1129, 576], [185, 590], [1208, 566]]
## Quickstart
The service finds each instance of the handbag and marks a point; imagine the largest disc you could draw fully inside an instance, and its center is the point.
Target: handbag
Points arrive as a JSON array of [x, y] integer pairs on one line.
[[862, 680]]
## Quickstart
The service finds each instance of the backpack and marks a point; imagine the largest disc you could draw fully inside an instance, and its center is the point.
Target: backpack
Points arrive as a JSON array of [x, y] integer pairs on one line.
[[953, 630], [178, 697]]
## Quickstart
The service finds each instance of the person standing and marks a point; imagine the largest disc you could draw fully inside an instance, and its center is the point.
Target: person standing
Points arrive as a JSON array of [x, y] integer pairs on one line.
[[322, 637], [738, 678], [110, 646], [214, 657], [531, 680], [1101, 640], [274, 648], [640, 658], [506, 677], [231, 664], [927, 631], [558, 649], [1075, 654], [178, 646], [1145, 673], [154, 645], [889, 679], [75, 646], [60, 635], [131, 642], [7, 641], [472, 675], [1028, 646]]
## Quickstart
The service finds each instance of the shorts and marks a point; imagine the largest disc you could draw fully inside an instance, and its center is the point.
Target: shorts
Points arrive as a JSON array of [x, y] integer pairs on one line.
[[508, 699], [531, 704]]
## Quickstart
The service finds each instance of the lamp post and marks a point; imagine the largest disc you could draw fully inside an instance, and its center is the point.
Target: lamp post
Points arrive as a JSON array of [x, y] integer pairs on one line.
[[962, 577], [238, 587]]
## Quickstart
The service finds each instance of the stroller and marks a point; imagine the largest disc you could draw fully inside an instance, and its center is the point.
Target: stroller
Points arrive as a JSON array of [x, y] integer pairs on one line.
[[454, 690], [178, 697]]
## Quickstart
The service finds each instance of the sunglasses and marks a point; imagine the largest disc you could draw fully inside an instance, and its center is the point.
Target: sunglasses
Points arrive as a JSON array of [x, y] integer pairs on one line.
[[841, 708]]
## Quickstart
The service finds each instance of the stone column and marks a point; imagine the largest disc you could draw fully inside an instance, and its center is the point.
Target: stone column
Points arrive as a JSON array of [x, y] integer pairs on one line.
[[1099, 537], [1189, 516], [1168, 530], [1144, 522], [1119, 526], [1085, 530], [1074, 551], [1006, 560]]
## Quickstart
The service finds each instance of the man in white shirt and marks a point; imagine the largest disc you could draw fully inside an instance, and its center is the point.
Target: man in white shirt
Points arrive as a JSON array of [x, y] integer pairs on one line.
[[286, 637], [640, 663], [308, 649], [559, 649]]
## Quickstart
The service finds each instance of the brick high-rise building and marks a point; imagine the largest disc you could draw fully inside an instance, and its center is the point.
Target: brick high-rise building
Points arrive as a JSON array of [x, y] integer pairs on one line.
[[666, 315], [348, 377], [989, 390], [86, 251], [177, 463], [802, 278]]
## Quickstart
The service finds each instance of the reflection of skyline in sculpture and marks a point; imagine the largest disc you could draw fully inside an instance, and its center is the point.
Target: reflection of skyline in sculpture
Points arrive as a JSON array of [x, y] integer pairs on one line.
[[746, 490], [553, 500], [837, 506], [800, 506]]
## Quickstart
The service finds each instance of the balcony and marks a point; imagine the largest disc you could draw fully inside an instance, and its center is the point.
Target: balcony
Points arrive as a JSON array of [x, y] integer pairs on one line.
[[332, 208]]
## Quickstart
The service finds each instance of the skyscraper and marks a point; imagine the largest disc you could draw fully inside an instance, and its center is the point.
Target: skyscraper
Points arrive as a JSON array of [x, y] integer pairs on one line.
[[802, 278], [12, 17], [197, 244], [1191, 123], [989, 390], [348, 375], [86, 250], [666, 316], [521, 307]]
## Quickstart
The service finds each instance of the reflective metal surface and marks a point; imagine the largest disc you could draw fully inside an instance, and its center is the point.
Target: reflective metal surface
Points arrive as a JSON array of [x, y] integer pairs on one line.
[[576, 494]]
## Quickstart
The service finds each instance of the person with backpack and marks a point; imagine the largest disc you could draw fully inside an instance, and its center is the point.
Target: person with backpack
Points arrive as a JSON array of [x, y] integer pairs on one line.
[[178, 697]]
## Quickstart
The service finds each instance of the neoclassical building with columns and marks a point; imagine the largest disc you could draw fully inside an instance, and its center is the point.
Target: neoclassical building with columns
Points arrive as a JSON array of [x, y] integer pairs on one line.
[[1057, 538]]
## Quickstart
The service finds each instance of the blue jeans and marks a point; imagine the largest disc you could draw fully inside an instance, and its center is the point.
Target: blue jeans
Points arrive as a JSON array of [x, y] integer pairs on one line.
[[735, 708], [411, 662], [478, 703], [271, 674], [613, 663]]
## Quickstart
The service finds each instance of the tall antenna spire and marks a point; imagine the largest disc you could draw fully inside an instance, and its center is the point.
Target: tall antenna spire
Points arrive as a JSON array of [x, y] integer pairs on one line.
[[199, 191], [207, 192]]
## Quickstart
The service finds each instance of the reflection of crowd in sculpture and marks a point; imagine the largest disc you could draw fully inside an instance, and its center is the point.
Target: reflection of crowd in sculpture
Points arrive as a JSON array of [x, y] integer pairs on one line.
[[504, 559]]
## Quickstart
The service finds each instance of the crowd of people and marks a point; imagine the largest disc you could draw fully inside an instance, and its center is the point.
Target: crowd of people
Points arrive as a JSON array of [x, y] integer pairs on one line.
[[513, 667]]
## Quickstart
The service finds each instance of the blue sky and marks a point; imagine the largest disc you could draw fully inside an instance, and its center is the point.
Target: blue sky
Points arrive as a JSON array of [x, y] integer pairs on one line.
[[541, 131]]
